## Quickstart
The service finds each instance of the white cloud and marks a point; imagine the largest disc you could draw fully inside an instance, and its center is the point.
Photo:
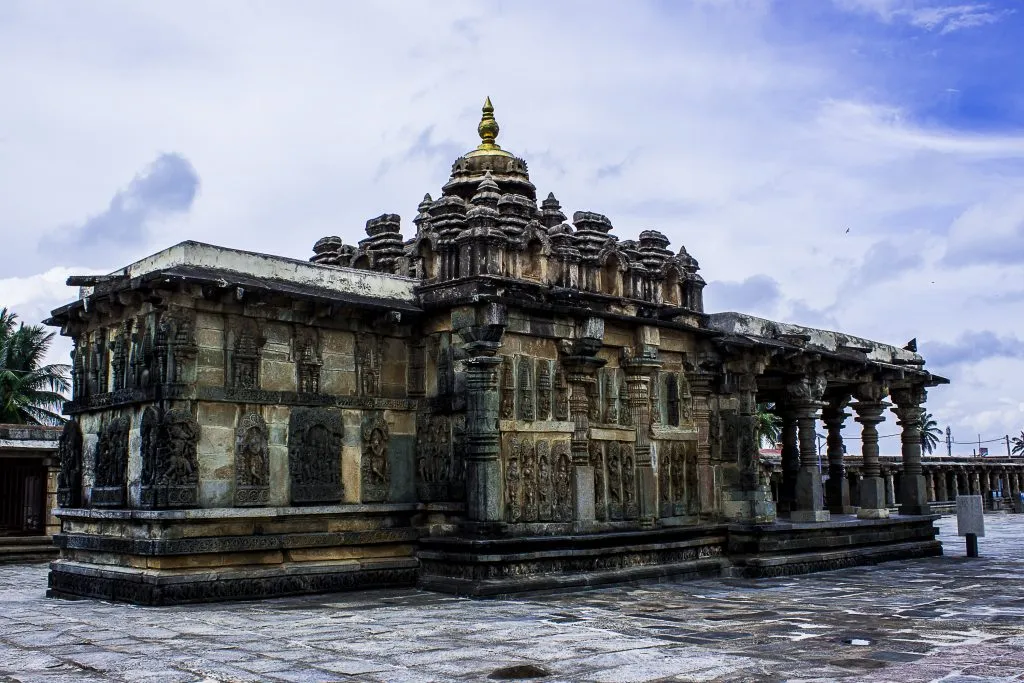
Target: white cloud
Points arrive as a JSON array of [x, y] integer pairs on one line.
[[930, 16]]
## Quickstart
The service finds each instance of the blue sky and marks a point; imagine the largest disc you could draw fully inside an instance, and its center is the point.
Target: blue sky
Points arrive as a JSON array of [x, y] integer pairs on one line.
[[752, 132]]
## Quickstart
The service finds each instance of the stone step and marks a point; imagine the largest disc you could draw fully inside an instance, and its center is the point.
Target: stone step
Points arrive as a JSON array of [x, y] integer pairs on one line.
[[25, 549]]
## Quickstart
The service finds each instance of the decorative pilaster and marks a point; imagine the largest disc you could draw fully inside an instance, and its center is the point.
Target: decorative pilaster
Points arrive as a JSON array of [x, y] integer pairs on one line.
[[870, 408], [913, 493], [805, 399], [581, 366], [701, 384], [748, 498], [482, 334], [638, 369], [838, 488]]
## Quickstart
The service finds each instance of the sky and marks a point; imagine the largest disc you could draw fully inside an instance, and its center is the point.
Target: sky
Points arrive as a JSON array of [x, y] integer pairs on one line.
[[848, 164]]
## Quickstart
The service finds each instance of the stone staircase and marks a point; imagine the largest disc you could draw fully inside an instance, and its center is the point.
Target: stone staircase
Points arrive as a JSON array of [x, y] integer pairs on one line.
[[25, 549]]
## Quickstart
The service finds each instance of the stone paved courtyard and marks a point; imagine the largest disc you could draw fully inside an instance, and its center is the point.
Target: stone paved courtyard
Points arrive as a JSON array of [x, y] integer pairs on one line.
[[948, 618]]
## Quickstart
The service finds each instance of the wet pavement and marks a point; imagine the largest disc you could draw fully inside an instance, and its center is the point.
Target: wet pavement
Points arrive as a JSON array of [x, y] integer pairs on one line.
[[949, 619]]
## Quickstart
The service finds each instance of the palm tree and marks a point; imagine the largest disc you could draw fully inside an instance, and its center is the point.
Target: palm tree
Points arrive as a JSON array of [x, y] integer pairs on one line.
[[30, 392], [767, 425], [930, 432], [1017, 444]]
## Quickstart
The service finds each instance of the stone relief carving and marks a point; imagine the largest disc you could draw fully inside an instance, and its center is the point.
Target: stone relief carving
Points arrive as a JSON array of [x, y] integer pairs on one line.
[[308, 362], [537, 480], [245, 357], [611, 401], [525, 381], [631, 509], [543, 389], [508, 390], [625, 411], [445, 368], [314, 455], [597, 462], [170, 465], [434, 467], [111, 464], [69, 478], [614, 462], [252, 461], [678, 478], [665, 471], [545, 492], [563, 477], [121, 349], [369, 349], [561, 407], [376, 472], [655, 399]]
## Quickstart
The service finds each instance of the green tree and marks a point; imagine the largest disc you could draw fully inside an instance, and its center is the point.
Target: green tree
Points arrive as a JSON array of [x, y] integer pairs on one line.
[[930, 433], [30, 392], [767, 425], [1017, 444]]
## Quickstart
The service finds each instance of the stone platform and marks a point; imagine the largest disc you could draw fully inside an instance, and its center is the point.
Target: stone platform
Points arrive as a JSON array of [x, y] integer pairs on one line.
[[473, 567], [172, 557]]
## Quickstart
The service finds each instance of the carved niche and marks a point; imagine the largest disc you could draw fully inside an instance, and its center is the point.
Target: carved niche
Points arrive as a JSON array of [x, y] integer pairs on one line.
[[625, 410], [252, 461], [597, 462], [543, 389], [69, 478], [561, 407], [666, 469], [79, 368], [631, 508], [121, 350], [376, 472], [308, 362], [314, 455], [111, 469], [673, 400], [614, 463], [143, 358], [433, 457], [245, 356], [537, 480], [563, 480], [611, 401], [369, 349], [183, 345], [417, 370], [525, 382], [508, 390], [170, 463], [445, 367], [99, 364]]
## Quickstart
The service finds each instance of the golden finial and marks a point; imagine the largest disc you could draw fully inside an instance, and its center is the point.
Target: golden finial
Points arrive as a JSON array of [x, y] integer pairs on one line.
[[488, 128]]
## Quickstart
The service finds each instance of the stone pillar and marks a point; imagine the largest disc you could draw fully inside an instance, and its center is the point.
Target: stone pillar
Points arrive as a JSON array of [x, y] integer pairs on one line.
[[581, 367], [913, 496], [837, 489], [929, 479], [890, 488], [869, 409], [805, 399], [956, 483], [940, 492], [984, 484], [638, 368], [700, 387], [481, 330], [975, 483], [790, 460], [1014, 483], [746, 496], [854, 479]]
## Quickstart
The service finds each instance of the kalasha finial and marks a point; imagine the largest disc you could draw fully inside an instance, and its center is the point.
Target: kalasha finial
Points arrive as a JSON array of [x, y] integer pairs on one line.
[[488, 128]]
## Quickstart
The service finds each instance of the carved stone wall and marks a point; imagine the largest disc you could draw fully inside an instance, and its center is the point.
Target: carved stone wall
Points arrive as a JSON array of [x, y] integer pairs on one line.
[[677, 478], [111, 469], [375, 469], [170, 464], [252, 461], [314, 455], [537, 474], [69, 478], [615, 480]]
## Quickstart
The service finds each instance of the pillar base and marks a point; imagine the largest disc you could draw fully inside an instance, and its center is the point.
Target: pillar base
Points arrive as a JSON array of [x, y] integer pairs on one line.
[[583, 495], [914, 495], [809, 498], [483, 491], [810, 516], [872, 513]]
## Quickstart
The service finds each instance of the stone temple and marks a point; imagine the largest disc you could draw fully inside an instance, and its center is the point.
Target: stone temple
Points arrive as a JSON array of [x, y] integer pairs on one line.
[[506, 400]]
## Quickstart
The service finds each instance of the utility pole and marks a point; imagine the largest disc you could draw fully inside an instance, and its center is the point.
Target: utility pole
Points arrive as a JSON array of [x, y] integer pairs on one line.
[[949, 441], [979, 445], [1008, 446]]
